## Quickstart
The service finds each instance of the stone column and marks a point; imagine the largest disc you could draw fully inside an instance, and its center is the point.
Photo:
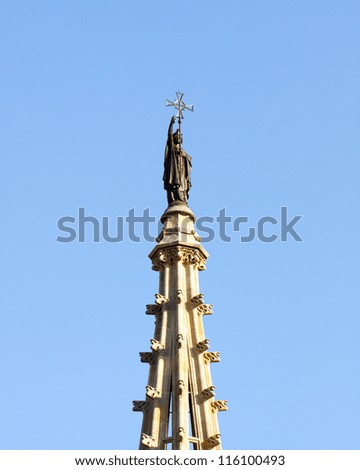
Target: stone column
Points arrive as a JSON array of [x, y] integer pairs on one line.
[[179, 377]]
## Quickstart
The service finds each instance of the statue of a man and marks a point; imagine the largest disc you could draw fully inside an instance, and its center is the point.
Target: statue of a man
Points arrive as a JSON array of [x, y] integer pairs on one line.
[[177, 167]]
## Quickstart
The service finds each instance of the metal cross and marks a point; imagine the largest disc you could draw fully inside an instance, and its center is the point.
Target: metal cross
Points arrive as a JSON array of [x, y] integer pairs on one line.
[[180, 106]]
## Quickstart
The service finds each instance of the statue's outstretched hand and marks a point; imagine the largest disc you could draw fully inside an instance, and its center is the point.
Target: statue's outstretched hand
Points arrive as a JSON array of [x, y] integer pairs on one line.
[[171, 126]]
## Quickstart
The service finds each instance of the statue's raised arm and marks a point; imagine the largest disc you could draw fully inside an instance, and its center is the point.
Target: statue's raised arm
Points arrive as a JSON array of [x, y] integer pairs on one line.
[[177, 167], [170, 131]]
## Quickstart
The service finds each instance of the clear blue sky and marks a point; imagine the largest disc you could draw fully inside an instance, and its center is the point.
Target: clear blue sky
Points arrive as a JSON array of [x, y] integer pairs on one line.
[[83, 124]]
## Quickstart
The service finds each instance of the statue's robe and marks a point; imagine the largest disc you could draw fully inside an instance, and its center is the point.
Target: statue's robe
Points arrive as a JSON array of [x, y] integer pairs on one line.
[[177, 169]]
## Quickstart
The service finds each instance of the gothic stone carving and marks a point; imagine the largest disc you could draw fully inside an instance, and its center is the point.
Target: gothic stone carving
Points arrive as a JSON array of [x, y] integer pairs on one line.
[[160, 299], [156, 345], [196, 236], [179, 296], [203, 345], [211, 356], [201, 266], [205, 309], [140, 405], [180, 340], [148, 357], [208, 392], [153, 309], [181, 386], [197, 299], [181, 434], [147, 441], [219, 405], [184, 254], [151, 392], [213, 441]]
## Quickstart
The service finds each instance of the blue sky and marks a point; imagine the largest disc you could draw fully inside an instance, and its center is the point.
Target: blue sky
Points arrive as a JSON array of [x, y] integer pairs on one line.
[[275, 86]]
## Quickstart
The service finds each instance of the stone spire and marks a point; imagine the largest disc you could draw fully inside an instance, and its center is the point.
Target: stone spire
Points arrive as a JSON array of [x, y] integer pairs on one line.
[[180, 409]]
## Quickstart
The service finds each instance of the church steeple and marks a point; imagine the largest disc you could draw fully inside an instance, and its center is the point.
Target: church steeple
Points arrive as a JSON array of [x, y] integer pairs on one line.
[[180, 410]]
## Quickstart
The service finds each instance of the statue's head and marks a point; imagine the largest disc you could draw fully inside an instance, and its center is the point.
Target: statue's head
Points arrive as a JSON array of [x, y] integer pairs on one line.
[[177, 137]]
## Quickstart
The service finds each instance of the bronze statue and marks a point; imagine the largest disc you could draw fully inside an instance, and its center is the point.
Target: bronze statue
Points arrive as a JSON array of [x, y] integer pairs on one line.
[[177, 167]]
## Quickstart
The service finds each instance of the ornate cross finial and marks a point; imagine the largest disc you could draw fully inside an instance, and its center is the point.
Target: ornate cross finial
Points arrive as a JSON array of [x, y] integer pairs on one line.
[[179, 105]]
